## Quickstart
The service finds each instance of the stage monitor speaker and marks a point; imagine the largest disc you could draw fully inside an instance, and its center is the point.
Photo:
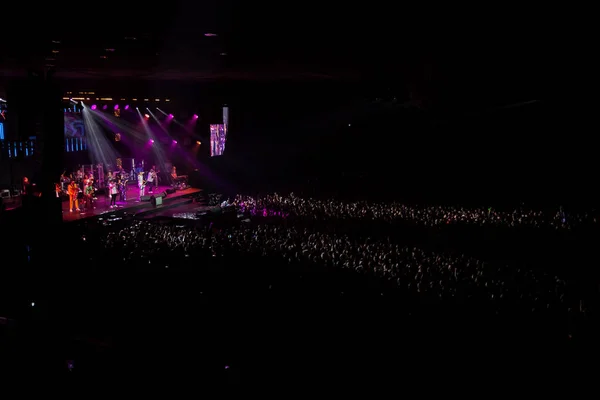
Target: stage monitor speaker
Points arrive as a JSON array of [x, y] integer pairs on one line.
[[170, 191], [157, 201], [145, 198]]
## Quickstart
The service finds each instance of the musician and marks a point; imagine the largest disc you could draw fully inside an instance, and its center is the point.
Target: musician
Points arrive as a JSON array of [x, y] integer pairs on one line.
[[157, 174], [100, 172], [63, 181], [122, 186], [27, 188], [109, 177], [152, 178], [141, 184], [120, 170], [174, 173], [88, 192], [113, 190], [73, 191], [79, 176]]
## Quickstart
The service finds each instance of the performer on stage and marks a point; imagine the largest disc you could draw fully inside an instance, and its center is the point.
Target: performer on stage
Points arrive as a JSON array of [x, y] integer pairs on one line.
[[122, 186], [64, 181], [141, 184], [79, 176], [88, 192], [27, 188], [73, 190], [151, 180], [113, 190], [109, 177]]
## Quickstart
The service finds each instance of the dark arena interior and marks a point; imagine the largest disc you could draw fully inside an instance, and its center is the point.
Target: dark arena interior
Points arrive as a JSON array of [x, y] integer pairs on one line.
[[231, 195]]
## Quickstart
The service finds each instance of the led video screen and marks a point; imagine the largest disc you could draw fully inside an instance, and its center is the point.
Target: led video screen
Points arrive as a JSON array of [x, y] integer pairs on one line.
[[74, 126], [218, 137]]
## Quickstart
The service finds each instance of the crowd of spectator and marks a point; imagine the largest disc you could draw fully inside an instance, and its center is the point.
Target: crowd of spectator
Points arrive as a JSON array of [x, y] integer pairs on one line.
[[317, 209], [434, 277]]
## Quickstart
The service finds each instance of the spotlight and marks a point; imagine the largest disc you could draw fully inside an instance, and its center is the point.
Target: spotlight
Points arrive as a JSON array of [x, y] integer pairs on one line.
[[104, 107], [198, 142], [195, 116], [127, 107], [174, 141], [146, 116], [170, 115], [73, 101], [94, 106], [151, 140], [116, 106]]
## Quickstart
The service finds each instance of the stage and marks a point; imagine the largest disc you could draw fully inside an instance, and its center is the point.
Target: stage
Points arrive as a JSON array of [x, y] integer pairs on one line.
[[131, 206]]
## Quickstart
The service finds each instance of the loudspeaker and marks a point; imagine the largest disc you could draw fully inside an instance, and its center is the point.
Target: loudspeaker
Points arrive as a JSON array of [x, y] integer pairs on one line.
[[145, 198], [170, 191], [157, 201]]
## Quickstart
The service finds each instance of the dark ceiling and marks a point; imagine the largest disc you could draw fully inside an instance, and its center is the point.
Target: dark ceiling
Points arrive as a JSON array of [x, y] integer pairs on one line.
[[431, 52]]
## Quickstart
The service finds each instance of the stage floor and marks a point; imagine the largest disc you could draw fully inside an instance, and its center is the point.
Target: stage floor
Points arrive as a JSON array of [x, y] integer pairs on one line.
[[102, 204]]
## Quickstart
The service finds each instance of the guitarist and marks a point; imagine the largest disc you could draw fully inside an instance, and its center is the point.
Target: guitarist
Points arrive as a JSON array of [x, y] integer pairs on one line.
[[88, 192], [73, 190]]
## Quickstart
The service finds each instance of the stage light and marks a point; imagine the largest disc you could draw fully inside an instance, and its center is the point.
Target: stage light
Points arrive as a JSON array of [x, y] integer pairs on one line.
[[146, 116], [198, 142], [127, 107], [170, 115], [151, 140], [73, 101], [116, 106], [195, 116], [94, 107], [174, 141], [104, 107]]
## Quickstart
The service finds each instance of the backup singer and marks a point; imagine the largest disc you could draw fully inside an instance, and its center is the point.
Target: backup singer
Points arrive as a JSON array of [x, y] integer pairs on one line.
[[73, 190], [141, 184]]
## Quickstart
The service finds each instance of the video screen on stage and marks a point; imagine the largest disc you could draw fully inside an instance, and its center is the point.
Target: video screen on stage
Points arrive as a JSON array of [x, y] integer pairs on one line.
[[74, 126], [218, 137]]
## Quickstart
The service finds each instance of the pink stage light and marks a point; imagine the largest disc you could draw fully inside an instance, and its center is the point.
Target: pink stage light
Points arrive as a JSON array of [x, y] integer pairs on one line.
[[151, 140], [127, 106], [195, 116], [104, 107], [170, 115], [116, 106], [174, 141], [94, 106]]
